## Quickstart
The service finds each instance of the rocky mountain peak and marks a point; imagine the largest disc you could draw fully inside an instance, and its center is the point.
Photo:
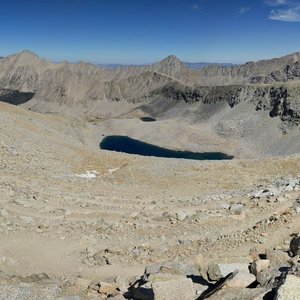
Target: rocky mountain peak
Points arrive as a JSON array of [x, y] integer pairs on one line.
[[171, 66], [27, 57], [171, 60], [28, 53]]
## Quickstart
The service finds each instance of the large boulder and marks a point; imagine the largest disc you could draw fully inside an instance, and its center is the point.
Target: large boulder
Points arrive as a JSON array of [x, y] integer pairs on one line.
[[290, 289]]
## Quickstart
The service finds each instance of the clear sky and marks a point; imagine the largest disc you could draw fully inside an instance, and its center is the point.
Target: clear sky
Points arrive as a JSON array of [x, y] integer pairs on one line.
[[144, 31]]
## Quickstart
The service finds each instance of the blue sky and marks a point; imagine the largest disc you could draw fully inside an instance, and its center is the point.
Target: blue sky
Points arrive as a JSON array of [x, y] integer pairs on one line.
[[144, 31]]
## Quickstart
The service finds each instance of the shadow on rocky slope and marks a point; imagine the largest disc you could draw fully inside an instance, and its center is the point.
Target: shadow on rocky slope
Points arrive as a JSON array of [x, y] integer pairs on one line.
[[15, 97]]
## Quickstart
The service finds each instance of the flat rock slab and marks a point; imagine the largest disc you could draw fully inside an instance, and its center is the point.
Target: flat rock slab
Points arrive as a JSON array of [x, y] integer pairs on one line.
[[239, 294], [225, 269], [290, 289], [241, 280], [181, 288]]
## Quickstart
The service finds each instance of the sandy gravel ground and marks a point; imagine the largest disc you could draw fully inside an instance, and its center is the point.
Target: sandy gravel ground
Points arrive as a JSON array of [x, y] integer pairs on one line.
[[136, 210]]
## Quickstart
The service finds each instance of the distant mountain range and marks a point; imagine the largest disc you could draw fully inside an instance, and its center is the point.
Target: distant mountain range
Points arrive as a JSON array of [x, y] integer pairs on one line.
[[201, 65], [192, 66], [82, 88]]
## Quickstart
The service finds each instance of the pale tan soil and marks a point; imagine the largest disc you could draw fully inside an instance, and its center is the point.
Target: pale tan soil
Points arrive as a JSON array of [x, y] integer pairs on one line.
[[52, 221]]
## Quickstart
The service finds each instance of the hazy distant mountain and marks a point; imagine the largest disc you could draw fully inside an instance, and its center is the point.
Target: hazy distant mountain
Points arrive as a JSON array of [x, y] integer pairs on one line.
[[192, 66], [115, 66], [201, 65]]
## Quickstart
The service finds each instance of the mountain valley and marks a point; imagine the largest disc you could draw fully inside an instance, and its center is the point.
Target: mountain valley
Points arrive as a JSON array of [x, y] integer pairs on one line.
[[79, 222]]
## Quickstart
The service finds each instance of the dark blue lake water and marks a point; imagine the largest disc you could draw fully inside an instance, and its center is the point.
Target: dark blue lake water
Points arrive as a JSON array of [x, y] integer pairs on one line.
[[125, 144]]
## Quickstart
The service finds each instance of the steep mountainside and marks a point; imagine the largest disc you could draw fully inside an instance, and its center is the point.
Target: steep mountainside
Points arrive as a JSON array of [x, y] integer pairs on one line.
[[70, 86], [218, 75], [282, 100]]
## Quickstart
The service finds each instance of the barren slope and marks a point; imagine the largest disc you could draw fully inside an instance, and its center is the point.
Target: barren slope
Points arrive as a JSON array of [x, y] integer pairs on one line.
[[54, 221]]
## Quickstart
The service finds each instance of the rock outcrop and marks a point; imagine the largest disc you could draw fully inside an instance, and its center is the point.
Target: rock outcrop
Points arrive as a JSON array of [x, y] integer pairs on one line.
[[279, 101]]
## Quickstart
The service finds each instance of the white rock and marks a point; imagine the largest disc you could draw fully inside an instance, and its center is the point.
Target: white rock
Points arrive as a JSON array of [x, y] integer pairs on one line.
[[226, 206], [88, 175], [181, 216]]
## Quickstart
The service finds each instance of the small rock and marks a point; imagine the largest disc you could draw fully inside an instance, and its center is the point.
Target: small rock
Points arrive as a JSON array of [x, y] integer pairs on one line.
[[35, 278], [214, 272], [296, 205], [199, 261], [83, 283], [94, 287], [238, 206], [181, 216], [226, 206], [121, 284], [257, 194], [99, 259], [294, 260], [254, 254], [134, 215], [238, 215], [184, 241], [107, 289], [152, 269], [295, 245], [267, 278], [277, 257], [259, 266]]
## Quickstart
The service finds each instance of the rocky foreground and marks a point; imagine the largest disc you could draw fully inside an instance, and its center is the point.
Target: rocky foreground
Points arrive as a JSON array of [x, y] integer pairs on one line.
[[77, 222]]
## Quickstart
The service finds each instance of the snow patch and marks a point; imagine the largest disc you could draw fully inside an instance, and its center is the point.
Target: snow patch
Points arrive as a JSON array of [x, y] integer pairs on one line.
[[88, 175]]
